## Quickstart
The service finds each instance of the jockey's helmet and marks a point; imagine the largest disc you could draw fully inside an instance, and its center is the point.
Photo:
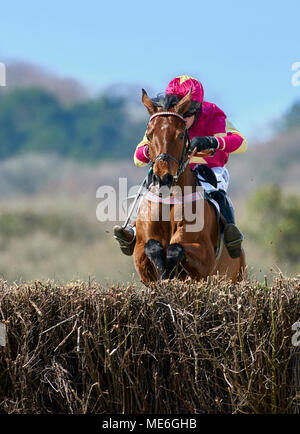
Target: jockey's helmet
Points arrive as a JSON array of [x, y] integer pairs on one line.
[[181, 85]]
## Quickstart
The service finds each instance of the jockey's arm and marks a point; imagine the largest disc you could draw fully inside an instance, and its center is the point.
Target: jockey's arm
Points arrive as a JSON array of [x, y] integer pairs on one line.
[[229, 138], [141, 154]]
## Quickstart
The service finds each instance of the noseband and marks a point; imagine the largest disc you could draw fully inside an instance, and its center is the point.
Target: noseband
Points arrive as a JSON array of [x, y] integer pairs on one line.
[[182, 163]]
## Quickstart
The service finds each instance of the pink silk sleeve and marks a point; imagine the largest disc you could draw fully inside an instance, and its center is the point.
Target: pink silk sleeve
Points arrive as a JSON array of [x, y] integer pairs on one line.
[[230, 140], [141, 154]]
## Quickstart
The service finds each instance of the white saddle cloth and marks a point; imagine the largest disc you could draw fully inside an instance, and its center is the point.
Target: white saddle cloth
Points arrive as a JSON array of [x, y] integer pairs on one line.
[[222, 176]]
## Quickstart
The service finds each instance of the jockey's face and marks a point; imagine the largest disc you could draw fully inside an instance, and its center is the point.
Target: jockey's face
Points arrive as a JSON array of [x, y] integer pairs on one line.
[[189, 121]]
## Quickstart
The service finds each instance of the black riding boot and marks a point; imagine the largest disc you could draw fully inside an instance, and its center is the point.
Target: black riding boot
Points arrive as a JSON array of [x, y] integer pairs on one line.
[[126, 236], [126, 239], [232, 236]]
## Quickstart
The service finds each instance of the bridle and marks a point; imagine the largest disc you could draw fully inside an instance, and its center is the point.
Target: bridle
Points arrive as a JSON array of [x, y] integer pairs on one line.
[[182, 163]]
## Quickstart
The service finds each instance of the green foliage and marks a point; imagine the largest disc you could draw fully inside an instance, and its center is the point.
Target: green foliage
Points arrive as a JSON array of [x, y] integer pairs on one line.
[[32, 120], [291, 119], [274, 222], [18, 224], [45, 237]]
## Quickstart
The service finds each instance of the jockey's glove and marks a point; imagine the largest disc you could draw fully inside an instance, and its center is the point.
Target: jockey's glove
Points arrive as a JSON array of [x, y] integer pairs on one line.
[[203, 143]]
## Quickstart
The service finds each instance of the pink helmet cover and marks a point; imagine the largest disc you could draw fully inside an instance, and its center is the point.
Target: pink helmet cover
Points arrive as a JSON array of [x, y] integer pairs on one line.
[[181, 85]]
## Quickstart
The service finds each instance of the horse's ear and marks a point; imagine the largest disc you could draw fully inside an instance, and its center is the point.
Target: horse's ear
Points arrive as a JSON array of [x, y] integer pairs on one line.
[[148, 103], [183, 105]]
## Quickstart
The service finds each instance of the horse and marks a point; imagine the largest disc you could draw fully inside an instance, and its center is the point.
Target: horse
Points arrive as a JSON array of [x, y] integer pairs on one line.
[[164, 248]]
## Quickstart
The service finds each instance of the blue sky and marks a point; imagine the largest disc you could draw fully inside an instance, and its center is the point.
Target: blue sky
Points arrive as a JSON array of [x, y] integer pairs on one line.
[[241, 51]]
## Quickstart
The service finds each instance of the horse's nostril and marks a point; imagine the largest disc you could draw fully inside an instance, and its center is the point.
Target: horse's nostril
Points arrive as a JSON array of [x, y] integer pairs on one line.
[[156, 180], [167, 180]]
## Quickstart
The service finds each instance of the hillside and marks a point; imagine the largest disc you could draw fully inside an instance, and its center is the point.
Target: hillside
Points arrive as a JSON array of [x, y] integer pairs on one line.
[[57, 148], [34, 118], [276, 161], [34, 186], [24, 75]]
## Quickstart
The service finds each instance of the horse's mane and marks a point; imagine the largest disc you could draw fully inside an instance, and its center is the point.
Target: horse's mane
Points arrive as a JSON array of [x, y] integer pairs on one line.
[[165, 102], [168, 101]]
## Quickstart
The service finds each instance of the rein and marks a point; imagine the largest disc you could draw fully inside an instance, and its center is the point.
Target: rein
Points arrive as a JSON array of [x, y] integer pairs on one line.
[[182, 163]]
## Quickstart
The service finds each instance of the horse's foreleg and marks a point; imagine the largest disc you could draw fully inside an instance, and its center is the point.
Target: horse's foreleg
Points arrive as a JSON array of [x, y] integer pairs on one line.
[[155, 252], [242, 270], [175, 254], [199, 260], [144, 267]]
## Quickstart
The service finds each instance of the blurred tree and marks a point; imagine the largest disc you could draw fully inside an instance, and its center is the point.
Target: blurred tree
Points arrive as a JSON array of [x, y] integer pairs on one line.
[[291, 119], [32, 120], [274, 222]]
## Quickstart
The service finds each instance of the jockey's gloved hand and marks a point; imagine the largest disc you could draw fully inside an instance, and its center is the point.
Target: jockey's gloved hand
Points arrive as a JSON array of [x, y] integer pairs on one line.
[[203, 143]]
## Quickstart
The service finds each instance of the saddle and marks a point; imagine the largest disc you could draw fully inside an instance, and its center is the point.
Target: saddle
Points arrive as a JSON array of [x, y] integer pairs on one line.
[[206, 174], [228, 233]]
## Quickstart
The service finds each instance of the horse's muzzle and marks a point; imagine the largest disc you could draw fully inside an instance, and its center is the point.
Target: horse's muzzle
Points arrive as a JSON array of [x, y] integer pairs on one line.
[[166, 181]]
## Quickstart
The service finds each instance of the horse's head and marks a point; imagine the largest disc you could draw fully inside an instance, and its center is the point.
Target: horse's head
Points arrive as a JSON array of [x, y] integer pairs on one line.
[[168, 138]]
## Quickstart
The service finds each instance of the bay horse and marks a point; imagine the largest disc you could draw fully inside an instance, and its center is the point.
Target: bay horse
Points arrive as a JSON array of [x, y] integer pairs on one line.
[[164, 248]]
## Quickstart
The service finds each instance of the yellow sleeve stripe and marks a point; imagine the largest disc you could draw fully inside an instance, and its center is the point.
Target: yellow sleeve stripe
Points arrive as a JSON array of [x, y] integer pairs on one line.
[[229, 126], [198, 160], [137, 162], [231, 129], [143, 142], [242, 148]]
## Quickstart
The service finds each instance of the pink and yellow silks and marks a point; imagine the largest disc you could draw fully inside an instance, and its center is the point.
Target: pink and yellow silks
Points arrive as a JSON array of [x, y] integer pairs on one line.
[[211, 121]]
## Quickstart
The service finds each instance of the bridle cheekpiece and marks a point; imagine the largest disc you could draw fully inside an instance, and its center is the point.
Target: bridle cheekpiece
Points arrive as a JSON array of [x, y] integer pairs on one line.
[[182, 164]]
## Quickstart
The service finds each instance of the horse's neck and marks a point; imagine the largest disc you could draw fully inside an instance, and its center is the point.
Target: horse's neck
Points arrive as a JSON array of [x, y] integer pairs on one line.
[[187, 179]]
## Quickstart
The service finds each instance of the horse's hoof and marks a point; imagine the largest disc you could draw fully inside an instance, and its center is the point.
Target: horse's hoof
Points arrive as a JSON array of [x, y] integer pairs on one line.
[[155, 252], [175, 254]]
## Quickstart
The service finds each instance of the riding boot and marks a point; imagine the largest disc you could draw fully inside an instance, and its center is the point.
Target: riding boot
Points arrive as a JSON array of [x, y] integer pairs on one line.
[[126, 238], [233, 237]]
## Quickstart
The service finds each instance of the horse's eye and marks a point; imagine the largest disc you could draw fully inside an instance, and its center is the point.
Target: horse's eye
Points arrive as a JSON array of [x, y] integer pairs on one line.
[[147, 137], [181, 136]]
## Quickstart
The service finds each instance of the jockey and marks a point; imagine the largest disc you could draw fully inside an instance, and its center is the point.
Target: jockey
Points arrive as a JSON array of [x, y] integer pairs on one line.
[[208, 128]]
